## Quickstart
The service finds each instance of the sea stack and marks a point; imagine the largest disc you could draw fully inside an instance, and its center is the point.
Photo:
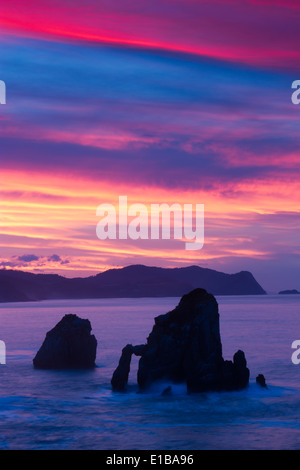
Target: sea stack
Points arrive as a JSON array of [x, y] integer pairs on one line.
[[185, 347], [68, 345]]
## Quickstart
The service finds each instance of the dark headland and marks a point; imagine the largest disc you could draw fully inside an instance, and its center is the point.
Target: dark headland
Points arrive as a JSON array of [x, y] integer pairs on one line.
[[129, 282]]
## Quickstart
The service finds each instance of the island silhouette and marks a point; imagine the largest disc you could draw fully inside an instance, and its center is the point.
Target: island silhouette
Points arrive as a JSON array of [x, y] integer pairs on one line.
[[129, 282]]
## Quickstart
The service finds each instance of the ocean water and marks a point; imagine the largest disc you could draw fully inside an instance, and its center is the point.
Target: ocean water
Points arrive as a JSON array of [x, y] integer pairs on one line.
[[78, 409]]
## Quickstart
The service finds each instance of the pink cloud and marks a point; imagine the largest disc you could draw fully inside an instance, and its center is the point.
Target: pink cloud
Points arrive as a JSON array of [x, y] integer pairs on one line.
[[257, 32]]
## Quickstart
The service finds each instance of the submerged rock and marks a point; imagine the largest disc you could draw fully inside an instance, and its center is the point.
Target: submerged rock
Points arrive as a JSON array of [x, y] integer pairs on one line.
[[68, 345], [185, 346], [167, 391]]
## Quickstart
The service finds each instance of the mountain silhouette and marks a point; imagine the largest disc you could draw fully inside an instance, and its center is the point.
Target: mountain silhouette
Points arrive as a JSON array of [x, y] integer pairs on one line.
[[131, 281]]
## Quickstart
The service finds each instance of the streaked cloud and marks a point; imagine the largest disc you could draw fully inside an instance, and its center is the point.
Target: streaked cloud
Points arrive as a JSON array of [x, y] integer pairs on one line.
[[164, 102]]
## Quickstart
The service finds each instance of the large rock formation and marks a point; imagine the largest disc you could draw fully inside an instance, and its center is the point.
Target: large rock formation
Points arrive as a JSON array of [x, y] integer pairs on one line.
[[185, 346], [68, 345]]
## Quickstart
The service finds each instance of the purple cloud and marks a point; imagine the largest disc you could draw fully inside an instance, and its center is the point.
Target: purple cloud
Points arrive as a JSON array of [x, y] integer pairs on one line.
[[28, 258], [54, 258]]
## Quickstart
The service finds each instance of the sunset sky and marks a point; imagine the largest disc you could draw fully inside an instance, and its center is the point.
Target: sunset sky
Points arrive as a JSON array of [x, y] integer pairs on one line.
[[175, 101]]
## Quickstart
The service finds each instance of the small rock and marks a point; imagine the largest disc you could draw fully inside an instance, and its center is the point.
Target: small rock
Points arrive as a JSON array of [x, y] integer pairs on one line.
[[260, 380]]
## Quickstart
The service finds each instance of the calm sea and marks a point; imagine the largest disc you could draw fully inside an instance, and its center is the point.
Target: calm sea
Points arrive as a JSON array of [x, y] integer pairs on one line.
[[78, 410]]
